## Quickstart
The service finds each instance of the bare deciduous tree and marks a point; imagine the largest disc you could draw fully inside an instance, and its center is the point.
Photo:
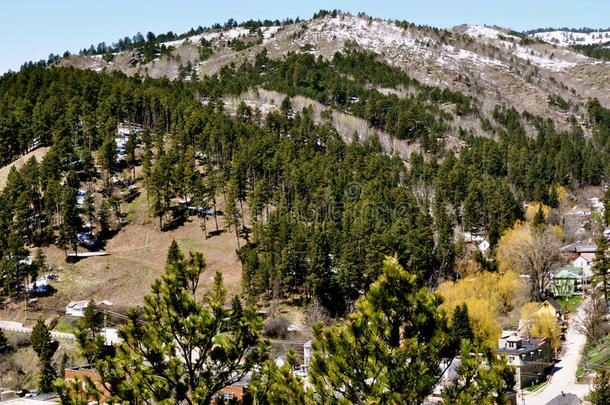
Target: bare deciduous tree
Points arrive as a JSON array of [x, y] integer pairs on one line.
[[591, 320], [538, 256]]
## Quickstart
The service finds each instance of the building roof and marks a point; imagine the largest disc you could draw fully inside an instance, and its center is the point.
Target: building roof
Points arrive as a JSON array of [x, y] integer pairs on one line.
[[586, 248], [568, 273], [82, 367], [514, 338], [580, 247], [83, 304], [588, 256], [565, 399], [78, 304], [555, 305], [528, 344], [576, 210]]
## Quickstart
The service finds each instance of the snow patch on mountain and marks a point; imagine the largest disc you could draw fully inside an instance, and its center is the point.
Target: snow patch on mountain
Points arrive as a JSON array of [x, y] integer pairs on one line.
[[452, 57], [216, 35], [378, 36], [565, 38], [478, 31]]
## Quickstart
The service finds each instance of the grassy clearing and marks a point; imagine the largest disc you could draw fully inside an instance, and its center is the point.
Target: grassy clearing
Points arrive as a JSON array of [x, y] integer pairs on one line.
[[66, 324], [595, 356], [534, 387], [136, 258], [137, 210], [571, 303], [38, 154]]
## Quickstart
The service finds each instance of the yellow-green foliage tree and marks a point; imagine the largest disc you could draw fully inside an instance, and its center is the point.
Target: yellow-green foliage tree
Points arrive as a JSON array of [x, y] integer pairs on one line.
[[532, 209], [488, 296], [535, 324]]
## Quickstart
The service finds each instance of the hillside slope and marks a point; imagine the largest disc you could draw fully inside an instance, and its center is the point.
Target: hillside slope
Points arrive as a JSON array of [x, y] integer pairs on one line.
[[484, 62]]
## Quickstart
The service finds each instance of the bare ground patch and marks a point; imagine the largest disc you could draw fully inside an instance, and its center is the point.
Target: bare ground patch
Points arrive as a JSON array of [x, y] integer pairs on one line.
[[137, 255]]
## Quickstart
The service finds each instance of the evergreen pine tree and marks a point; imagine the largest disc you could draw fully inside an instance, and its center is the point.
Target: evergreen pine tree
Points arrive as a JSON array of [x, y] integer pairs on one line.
[[396, 337], [89, 205], [62, 366], [601, 277], [130, 153], [601, 390], [147, 170], [178, 348], [232, 215], [553, 197], [4, 345], [482, 377], [71, 220], [174, 255], [88, 333], [460, 323], [104, 217], [45, 348], [539, 219]]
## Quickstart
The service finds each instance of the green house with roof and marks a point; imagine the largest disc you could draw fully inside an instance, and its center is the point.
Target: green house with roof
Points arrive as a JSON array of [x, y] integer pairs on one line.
[[565, 281]]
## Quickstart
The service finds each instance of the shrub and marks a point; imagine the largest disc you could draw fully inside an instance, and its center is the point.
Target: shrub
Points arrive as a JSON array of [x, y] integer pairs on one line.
[[276, 327]]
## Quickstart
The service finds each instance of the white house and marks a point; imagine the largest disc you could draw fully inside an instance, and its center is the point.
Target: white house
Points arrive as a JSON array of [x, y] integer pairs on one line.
[[585, 262], [307, 353], [484, 246], [77, 308]]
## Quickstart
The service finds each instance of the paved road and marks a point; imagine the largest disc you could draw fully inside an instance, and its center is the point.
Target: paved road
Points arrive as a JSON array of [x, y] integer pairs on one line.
[[564, 372]]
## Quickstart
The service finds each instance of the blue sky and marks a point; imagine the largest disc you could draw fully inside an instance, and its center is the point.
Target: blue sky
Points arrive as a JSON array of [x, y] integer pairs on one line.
[[31, 29]]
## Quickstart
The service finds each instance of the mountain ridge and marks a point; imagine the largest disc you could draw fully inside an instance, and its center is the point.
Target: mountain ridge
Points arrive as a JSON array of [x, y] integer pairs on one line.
[[475, 60]]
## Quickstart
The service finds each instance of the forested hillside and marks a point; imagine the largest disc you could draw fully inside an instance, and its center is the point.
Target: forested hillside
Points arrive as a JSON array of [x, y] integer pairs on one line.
[[323, 211], [384, 178]]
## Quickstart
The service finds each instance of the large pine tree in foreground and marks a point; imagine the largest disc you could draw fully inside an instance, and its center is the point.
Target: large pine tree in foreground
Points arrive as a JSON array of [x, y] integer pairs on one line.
[[180, 348], [393, 349]]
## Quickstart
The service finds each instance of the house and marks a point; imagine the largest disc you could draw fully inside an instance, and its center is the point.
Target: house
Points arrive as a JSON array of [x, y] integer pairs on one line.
[[577, 211], [77, 308], [232, 393], [575, 249], [484, 246], [585, 261], [552, 308], [235, 392], [475, 242], [80, 373], [531, 357], [450, 375], [577, 219], [566, 280], [307, 353]]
